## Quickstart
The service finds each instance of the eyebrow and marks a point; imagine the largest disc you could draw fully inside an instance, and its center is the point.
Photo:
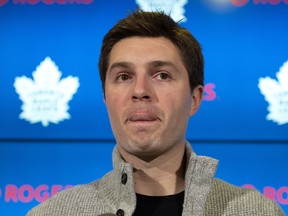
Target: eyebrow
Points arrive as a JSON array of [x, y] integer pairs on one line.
[[153, 64], [156, 64], [120, 65]]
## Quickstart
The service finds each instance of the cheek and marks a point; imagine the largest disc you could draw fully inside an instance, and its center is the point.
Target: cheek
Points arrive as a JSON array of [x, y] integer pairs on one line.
[[111, 106], [180, 101], [177, 107], [115, 105]]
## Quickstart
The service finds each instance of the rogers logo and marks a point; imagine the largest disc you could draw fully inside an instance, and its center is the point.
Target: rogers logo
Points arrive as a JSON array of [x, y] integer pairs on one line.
[[279, 195], [27, 193], [3, 2], [240, 3], [230, 5], [209, 92], [47, 2]]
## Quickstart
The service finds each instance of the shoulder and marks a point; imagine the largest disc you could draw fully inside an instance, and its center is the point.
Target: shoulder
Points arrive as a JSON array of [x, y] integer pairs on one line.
[[67, 202], [81, 199], [227, 199]]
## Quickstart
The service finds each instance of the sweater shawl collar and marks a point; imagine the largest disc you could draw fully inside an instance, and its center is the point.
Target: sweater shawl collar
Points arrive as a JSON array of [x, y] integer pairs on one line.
[[199, 176]]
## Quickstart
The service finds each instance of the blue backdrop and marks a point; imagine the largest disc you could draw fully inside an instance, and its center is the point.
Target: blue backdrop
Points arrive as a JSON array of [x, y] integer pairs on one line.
[[54, 128]]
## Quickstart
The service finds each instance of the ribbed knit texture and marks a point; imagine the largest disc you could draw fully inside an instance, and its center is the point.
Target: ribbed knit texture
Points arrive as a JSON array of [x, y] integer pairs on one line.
[[226, 199], [204, 195]]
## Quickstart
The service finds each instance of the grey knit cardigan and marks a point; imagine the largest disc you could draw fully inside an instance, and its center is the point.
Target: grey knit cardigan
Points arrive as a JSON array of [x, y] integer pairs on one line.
[[114, 194]]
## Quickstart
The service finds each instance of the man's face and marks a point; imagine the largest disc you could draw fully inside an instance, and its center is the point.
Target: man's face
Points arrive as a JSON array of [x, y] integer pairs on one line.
[[148, 96]]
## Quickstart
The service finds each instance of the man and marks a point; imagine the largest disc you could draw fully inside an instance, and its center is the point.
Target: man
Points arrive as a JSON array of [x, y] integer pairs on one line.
[[152, 79]]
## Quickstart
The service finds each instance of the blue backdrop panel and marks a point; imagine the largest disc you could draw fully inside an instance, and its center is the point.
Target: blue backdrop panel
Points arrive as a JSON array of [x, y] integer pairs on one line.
[[32, 172], [27, 168], [241, 44]]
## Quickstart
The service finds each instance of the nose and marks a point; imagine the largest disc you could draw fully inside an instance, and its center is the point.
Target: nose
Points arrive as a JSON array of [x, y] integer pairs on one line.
[[142, 89]]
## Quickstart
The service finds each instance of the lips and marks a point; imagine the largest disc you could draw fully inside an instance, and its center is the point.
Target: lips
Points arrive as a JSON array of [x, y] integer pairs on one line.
[[142, 117]]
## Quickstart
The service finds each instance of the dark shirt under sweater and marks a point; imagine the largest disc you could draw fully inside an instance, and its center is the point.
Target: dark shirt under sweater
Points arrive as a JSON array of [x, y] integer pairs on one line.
[[171, 205]]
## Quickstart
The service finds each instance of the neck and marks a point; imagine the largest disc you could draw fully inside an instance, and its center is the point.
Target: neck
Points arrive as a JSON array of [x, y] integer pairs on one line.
[[163, 175]]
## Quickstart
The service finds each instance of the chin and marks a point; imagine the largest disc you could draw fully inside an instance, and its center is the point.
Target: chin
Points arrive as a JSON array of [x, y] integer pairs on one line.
[[146, 150]]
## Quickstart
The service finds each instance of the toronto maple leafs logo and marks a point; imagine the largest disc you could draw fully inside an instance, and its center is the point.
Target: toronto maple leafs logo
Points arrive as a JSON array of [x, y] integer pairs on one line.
[[175, 8], [276, 94], [45, 99]]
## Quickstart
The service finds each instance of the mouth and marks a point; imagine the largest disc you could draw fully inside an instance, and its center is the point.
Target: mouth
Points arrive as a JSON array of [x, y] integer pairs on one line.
[[142, 117]]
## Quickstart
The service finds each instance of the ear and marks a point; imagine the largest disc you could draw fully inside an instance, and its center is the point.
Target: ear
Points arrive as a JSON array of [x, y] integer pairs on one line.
[[104, 96], [197, 97]]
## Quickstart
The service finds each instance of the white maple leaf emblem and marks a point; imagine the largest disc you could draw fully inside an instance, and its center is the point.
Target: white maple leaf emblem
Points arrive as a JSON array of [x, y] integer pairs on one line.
[[175, 8], [276, 94], [45, 99]]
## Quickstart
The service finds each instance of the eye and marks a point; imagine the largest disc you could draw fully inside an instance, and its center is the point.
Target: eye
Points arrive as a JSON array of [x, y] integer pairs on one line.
[[123, 77], [163, 76]]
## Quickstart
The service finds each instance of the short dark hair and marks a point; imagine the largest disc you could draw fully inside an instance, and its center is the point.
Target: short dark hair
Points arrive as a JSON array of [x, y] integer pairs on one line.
[[155, 24]]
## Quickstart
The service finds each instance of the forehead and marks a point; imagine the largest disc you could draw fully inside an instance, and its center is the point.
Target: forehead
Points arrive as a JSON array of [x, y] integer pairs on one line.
[[144, 49]]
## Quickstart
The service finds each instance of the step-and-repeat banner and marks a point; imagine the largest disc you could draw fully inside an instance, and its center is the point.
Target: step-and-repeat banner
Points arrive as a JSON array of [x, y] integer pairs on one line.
[[54, 128], [31, 173]]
